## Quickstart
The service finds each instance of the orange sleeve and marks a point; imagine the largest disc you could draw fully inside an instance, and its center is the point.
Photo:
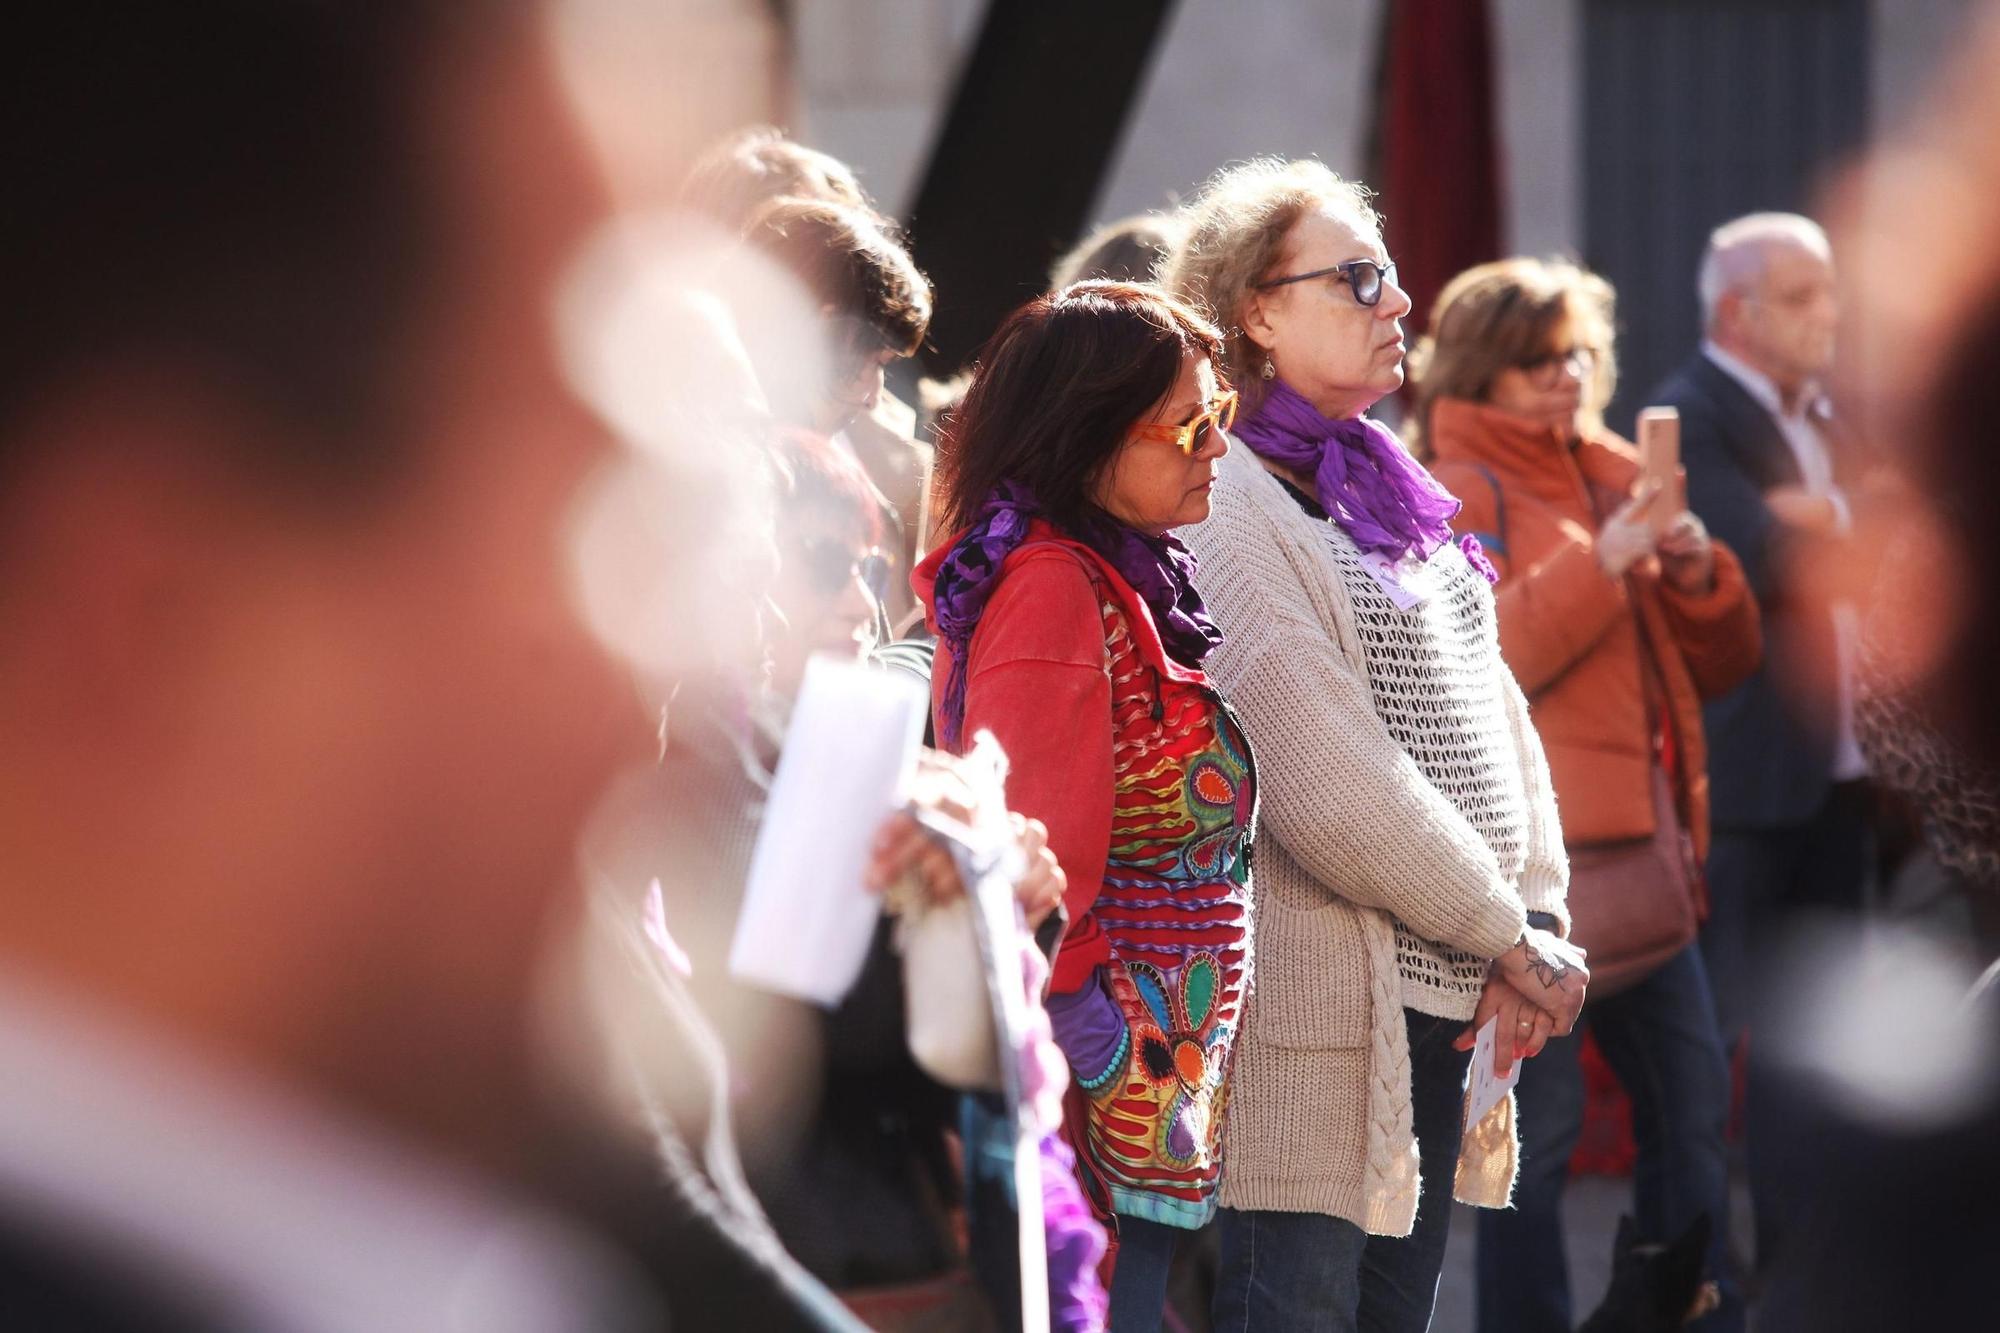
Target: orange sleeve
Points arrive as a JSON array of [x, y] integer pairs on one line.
[[1718, 632], [1552, 611]]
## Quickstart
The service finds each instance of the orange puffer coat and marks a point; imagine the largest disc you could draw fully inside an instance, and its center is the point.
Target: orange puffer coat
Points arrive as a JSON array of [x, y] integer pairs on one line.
[[1578, 640]]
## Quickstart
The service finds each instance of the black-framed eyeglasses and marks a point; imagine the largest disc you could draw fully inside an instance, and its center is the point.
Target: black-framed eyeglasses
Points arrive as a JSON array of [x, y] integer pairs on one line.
[[1364, 277], [1545, 373]]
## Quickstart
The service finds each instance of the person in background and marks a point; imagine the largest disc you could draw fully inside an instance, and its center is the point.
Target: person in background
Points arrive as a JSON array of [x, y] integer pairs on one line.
[[1129, 250], [835, 1119], [874, 308], [1413, 880], [733, 183], [1771, 473], [1070, 629], [1616, 637], [748, 169], [290, 470]]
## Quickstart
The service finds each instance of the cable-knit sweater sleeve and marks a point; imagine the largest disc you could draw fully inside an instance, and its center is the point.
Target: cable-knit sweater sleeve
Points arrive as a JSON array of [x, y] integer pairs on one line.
[[1545, 868], [1346, 801]]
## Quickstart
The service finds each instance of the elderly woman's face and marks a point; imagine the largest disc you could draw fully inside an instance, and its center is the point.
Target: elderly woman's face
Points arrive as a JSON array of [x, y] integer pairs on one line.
[[1150, 484], [1340, 354]]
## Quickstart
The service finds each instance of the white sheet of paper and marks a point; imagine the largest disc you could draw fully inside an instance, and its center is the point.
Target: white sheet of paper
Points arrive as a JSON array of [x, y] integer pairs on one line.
[[1484, 1088], [848, 758]]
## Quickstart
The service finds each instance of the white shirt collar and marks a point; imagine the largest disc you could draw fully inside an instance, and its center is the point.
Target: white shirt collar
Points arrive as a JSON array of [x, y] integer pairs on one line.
[[269, 1212], [1759, 386]]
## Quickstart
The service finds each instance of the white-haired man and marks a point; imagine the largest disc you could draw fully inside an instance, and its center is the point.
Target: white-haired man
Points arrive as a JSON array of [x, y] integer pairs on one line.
[[1767, 471]]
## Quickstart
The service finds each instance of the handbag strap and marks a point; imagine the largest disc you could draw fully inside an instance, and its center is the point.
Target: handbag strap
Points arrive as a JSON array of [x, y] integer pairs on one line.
[[1495, 541]]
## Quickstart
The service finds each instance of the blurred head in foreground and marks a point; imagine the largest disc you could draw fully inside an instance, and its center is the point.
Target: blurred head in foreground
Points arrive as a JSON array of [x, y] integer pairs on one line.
[[286, 464], [1921, 360]]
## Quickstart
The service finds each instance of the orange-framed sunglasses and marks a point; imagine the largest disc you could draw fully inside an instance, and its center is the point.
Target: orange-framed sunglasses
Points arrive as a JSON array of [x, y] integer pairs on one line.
[[1220, 415]]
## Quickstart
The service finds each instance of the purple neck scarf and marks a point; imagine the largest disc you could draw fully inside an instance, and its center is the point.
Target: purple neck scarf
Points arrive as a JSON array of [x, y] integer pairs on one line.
[[1160, 569], [1379, 495]]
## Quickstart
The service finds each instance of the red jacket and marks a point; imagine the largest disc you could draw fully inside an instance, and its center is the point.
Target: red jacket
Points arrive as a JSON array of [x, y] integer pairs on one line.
[[1040, 686], [1146, 782]]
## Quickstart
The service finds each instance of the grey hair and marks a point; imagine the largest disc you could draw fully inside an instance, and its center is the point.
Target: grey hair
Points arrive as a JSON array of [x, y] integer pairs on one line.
[[1738, 250], [1237, 228]]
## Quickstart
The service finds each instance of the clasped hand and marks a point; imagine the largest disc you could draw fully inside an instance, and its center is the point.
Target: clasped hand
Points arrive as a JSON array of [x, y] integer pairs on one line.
[[1536, 990]]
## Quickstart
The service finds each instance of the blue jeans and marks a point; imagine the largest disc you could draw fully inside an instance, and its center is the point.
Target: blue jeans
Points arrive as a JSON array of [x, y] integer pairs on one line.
[[1304, 1272], [1660, 1038], [1139, 1278]]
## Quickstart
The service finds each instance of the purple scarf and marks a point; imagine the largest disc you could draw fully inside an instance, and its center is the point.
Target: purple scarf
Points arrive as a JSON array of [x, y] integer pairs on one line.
[[1379, 495], [1160, 569]]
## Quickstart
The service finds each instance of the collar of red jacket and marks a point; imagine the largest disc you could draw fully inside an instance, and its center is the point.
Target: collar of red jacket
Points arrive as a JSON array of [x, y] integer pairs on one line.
[[1044, 541]]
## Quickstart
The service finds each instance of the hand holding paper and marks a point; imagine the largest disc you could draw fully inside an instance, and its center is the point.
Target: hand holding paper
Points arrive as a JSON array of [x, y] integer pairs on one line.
[[848, 756], [1484, 1085]]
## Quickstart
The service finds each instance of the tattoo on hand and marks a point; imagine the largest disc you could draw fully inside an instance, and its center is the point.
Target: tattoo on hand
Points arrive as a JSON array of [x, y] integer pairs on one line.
[[1549, 971]]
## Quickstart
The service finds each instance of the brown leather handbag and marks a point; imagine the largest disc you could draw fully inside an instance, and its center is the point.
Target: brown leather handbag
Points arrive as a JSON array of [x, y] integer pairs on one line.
[[1633, 903]]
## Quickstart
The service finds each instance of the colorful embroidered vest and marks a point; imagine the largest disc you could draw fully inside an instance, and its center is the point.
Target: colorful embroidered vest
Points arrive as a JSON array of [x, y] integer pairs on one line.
[[1175, 908]]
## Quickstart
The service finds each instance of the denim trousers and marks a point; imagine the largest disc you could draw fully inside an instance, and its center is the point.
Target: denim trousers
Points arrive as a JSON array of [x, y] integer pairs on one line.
[[1306, 1272], [1660, 1039], [1139, 1278]]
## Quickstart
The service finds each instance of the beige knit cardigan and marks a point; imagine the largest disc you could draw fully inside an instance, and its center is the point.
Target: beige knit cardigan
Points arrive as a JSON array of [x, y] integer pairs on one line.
[[1352, 837]]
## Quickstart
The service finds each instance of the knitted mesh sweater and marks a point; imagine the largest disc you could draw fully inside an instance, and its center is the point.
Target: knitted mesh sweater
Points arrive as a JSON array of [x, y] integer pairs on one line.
[[1409, 827], [1432, 672]]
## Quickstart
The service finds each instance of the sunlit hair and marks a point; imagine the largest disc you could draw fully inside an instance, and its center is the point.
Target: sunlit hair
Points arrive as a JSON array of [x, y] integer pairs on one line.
[[1507, 314], [1132, 249], [1238, 232], [753, 166], [853, 265], [1056, 389], [1739, 251]]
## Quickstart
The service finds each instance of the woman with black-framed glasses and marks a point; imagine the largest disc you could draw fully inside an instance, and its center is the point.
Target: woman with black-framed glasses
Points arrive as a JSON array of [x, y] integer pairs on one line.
[[1411, 886]]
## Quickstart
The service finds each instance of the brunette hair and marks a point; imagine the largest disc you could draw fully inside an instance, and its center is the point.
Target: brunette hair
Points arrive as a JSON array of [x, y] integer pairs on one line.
[[232, 185], [1501, 315], [849, 260], [1056, 389], [1237, 231]]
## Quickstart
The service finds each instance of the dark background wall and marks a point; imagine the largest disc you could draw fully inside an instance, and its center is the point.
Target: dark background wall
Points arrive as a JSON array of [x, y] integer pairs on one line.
[[1694, 113]]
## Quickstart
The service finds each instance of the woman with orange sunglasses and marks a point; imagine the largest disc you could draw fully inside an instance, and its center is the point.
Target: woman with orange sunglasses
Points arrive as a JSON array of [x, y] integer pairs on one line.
[[1069, 627]]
